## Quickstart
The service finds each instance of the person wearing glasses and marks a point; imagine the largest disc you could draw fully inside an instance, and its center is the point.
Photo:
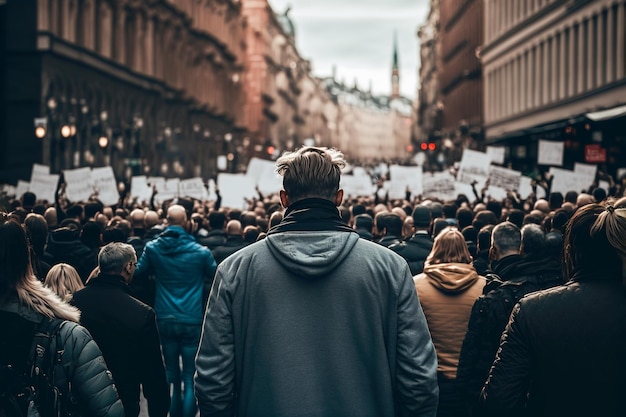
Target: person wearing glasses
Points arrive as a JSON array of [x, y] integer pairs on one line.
[[126, 331]]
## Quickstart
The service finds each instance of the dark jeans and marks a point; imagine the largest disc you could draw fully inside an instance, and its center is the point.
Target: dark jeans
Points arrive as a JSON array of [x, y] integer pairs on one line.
[[180, 343]]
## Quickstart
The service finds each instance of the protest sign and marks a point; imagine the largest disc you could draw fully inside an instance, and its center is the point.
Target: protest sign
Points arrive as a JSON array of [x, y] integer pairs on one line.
[[140, 190], [439, 185], [564, 180], [235, 189], [78, 185], [587, 171], [21, 188], [496, 154], [474, 167], [8, 189], [264, 175], [193, 188], [401, 178], [550, 153], [104, 183], [42, 183], [354, 186], [504, 178]]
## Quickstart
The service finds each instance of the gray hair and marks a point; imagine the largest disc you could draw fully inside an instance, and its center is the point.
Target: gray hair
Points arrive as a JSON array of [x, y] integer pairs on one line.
[[311, 172], [506, 237], [113, 257], [533, 240]]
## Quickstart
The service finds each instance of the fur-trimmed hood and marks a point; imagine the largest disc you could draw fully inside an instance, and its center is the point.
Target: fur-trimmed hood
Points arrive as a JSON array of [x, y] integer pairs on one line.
[[34, 300]]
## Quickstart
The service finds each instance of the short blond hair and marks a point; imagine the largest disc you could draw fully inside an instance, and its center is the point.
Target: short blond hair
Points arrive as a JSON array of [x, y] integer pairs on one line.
[[311, 172]]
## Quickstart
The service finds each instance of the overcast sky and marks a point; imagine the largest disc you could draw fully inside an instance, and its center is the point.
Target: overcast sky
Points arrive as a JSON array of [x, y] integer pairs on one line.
[[356, 36]]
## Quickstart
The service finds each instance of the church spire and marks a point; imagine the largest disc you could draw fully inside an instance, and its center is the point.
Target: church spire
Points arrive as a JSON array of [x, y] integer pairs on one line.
[[395, 70]]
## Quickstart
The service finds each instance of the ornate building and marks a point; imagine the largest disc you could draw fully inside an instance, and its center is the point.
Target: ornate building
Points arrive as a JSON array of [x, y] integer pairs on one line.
[[555, 70], [149, 87]]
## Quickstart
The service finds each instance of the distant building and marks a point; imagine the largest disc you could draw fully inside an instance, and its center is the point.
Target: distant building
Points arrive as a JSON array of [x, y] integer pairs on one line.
[[555, 70]]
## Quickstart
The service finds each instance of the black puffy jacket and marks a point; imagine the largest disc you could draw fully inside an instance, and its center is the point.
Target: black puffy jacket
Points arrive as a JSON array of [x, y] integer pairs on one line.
[[415, 251]]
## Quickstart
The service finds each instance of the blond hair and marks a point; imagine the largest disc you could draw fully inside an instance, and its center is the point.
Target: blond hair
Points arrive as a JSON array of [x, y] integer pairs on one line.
[[449, 247], [63, 280]]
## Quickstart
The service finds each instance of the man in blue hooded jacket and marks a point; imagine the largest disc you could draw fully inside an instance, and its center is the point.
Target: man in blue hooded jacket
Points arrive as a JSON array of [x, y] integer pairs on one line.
[[312, 320], [183, 271]]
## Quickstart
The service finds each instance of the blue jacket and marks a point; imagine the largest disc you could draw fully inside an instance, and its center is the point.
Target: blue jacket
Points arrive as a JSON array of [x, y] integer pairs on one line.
[[183, 270]]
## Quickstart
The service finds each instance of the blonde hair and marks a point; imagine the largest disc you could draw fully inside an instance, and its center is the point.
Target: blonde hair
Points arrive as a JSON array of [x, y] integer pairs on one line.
[[449, 247], [614, 221], [63, 280]]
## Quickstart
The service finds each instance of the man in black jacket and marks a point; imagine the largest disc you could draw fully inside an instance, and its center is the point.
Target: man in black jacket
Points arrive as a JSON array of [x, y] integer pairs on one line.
[[125, 330], [520, 266], [416, 249]]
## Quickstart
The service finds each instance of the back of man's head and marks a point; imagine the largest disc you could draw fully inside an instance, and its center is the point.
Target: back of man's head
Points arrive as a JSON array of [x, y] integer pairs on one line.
[[506, 239], [464, 217], [484, 237], [150, 219], [311, 172], [136, 218], [364, 221], [599, 194], [555, 200], [233, 227], [113, 257], [28, 200], [176, 215], [217, 220], [533, 241], [390, 221]]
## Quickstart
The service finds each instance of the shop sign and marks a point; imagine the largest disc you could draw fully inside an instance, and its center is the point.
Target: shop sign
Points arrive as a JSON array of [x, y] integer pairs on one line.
[[595, 154]]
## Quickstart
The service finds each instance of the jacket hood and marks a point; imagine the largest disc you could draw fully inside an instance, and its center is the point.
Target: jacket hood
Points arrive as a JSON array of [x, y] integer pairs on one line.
[[311, 253], [451, 277], [174, 240]]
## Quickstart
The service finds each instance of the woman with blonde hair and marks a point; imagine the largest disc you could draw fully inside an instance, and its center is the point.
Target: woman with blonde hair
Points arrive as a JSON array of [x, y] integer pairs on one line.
[[27, 307], [64, 280], [447, 290], [562, 352]]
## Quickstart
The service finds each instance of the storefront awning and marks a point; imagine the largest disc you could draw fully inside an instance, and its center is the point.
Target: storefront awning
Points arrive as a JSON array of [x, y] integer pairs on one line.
[[601, 115]]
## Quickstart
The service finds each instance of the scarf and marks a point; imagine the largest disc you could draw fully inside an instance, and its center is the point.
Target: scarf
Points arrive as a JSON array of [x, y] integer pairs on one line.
[[311, 214]]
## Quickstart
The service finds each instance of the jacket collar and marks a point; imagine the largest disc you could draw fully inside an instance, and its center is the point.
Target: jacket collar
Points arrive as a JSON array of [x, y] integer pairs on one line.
[[110, 280], [311, 214]]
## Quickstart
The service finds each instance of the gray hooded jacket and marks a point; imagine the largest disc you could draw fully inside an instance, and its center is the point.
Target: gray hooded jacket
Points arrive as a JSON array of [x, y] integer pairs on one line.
[[315, 324]]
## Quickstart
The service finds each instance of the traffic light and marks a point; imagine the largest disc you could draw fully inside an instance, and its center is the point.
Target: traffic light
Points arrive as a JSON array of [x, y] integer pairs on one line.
[[428, 146]]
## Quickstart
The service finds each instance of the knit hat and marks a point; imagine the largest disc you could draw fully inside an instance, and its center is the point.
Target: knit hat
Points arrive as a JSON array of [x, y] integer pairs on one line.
[[421, 216]]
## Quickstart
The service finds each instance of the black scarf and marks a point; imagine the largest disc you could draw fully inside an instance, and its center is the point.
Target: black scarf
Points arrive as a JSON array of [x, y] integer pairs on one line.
[[311, 214]]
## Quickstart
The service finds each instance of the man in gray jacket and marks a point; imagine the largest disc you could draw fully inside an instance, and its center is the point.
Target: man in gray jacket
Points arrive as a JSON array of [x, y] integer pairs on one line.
[[313, 320]]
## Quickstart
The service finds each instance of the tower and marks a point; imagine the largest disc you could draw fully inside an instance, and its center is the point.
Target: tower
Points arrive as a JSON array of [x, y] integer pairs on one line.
[[395, 71]]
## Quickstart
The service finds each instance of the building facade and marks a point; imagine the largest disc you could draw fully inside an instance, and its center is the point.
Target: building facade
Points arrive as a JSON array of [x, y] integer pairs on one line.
[[148, 87], [555, 70]]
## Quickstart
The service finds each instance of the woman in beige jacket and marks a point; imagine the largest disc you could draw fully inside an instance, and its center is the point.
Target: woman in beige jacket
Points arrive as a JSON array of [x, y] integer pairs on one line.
[[447, 290]]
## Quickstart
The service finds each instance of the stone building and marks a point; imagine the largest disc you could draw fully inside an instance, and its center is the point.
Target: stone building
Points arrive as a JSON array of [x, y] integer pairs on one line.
[[555, 70], [150, 87]]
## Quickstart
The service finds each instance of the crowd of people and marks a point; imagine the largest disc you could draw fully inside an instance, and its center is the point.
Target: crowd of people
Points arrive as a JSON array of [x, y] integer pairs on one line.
[[309, 302]]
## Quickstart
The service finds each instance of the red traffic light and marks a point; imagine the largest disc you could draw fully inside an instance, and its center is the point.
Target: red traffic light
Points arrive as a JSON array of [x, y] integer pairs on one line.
[[271, 150], [431, 146], [423, 146]]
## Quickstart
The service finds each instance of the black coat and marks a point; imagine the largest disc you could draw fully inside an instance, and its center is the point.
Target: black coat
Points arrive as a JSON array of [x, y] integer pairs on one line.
[[65, 246], [232, 245], [126, 331], [563, 353], [516, 277], [415, 251]]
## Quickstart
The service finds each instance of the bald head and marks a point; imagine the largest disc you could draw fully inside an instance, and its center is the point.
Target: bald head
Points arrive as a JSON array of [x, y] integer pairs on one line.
[[542, 205], [150, 219], [233, 227], [176, 215], [136, 218]]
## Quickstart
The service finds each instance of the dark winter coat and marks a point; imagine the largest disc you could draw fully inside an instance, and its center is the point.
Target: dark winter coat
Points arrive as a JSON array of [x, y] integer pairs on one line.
[[415, 251], [126, 331], [213, 239], [563, 353], [65, 246], [389, 240], [233, 244], [315, 322], [91, 384], [515, 277]]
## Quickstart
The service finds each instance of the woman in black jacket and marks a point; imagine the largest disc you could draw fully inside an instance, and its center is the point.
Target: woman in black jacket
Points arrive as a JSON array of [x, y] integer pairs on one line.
[[563, 350]]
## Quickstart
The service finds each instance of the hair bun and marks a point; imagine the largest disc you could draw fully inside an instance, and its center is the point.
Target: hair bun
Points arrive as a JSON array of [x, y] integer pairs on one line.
[[610, 209]]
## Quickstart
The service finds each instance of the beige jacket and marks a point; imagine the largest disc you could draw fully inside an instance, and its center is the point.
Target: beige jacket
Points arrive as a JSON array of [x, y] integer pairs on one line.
[[447, 293]]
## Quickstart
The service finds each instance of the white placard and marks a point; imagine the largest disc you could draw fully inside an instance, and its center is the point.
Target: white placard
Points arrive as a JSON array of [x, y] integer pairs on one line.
[[140, 190], [402, 177], [604, 185], [8, 189], [222, 163], [496, 193], [564, 180], [104, 183], [504, 178], [78, 186], [264, 175], [360, 172], [439, 185], [356, 186], [496, 153], [462, 188], [550, 153], [193, 188], [525, 188], [474, 167], [42, 184], [621, 173], [586, 170], [235, 189], [21, 188], [168, 190]]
